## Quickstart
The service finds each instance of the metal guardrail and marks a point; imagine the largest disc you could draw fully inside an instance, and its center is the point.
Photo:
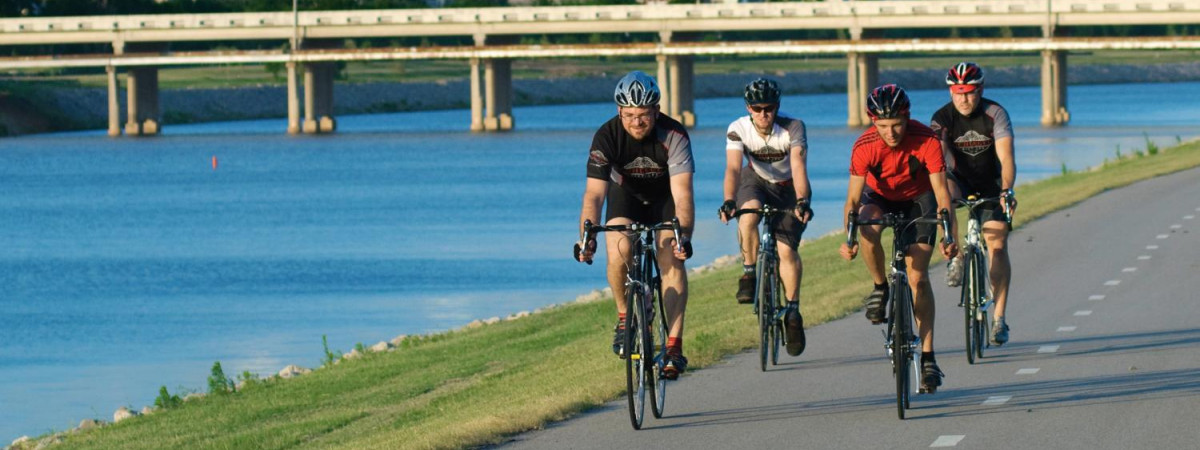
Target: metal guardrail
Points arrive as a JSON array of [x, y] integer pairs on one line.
[[595, 19]]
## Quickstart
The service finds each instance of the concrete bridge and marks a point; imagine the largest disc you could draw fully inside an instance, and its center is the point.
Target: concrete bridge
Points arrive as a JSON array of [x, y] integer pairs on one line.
[[139, 45]]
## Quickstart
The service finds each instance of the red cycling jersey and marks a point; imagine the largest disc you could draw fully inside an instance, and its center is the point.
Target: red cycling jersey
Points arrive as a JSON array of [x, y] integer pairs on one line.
[[900, 173]]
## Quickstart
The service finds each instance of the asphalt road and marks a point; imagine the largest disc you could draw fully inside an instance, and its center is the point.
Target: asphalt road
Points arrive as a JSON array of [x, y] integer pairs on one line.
[[1104, 353]]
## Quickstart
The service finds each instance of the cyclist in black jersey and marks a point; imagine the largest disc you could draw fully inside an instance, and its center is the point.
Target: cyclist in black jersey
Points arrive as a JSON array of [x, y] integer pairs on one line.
[[641, 163], [977, 140]]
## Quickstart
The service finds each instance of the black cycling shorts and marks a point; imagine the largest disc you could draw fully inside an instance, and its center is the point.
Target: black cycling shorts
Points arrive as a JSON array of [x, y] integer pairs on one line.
[[788, 229], [924, 205], [620, 203], [988, 212]]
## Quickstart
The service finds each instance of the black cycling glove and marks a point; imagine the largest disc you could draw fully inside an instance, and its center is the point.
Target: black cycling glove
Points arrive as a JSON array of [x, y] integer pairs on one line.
[[727, 208]]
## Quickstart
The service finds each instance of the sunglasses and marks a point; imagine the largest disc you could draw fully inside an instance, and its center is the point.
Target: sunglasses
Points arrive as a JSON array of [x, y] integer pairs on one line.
[[762, 109]]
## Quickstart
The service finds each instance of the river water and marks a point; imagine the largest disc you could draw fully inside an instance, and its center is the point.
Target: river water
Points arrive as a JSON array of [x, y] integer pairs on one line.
[[133, 263]]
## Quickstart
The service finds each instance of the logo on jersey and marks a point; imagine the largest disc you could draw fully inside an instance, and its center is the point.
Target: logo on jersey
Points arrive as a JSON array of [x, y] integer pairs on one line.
[[733, 136], [768, 154], [644, 168], [973, 143], [597, 159]]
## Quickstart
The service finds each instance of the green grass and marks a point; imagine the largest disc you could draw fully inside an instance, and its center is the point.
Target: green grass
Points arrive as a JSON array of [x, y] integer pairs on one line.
[[474, 386]]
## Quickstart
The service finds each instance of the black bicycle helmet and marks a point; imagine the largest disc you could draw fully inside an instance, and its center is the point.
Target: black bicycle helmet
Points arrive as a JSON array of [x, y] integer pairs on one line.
[[762, 90], [887, 102], [636, 89], [968, 75]]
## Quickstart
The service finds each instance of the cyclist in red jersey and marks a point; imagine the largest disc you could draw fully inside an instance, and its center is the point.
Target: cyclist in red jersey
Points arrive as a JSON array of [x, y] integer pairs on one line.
[[898, 166]]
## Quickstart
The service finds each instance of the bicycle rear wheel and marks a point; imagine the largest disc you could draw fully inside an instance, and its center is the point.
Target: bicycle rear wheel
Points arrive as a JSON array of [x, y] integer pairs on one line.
[[659, 350], [901, 347], [635, 355]]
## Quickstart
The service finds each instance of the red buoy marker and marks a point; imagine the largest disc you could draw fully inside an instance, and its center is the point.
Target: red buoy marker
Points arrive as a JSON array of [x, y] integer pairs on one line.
[[214, 162]]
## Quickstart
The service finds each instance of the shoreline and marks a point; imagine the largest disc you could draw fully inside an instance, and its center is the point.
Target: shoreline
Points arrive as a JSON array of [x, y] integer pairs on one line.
[[53, 109]]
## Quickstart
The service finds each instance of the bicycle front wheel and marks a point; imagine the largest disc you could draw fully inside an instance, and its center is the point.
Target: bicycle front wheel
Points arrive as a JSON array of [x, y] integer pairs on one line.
[[659, 351], [982, 325], [635, 355], [765, 306], [970, 302], [901, 346]]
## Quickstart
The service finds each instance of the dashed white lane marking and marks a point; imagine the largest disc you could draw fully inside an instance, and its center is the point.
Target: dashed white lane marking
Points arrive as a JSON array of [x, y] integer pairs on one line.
[[947, 440], [1096, 297], [1067, 329], [1176, 226], [1028, 371], [1189, 217], [1112, 282], [1143, 257], [1048, 349], [1129, 269], [997, 400], [1151, 247], [1083, 312], [1162, 236]]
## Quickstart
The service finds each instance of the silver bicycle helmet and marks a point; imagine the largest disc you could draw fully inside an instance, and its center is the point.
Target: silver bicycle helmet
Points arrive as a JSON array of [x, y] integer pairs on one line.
[[635, 90]]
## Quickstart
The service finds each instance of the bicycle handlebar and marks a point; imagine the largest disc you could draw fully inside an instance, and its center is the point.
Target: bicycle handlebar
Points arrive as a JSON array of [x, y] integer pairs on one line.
[[897, 221], [765, 210], [972, 202], [590, 230]]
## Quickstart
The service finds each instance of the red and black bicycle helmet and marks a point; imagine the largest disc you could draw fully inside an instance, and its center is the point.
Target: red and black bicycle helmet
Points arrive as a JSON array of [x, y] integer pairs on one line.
[[965, 77], [887, 102]]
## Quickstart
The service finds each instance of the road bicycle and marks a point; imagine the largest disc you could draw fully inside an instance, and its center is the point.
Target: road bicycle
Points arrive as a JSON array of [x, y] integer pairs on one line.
[[645, 317], [901, 342], [976, 287], [768, 290]]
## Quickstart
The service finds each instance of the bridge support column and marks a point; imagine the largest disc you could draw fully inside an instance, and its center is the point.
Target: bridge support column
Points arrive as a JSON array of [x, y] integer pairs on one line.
[[293, 99], [664, 88], [114, 106], [476, 97], [1054, 88], [862, 74], [142, 116], [318, 98], [497, 76], [682, 100]]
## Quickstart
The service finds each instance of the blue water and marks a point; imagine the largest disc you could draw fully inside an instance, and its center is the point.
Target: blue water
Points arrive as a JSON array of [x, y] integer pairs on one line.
[[132, 263]]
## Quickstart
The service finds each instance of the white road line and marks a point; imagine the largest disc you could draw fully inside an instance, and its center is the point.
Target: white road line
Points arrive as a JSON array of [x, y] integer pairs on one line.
[[1143, 257], [1028, 371], [1129, 269], [1083, 312], [1189, 217], [1112, 282], [1096, 297], [1161, 236], [1047, 349], [1066, 329], [997, 400], [947, 440], [1176, 226], [1151, 247]]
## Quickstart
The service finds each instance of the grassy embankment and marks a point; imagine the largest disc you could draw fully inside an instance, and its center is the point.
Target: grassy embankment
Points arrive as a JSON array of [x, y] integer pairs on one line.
[[471, 387]]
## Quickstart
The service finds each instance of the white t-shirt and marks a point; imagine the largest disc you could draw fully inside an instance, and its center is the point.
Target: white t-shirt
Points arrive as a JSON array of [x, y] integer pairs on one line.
[[770, 157]]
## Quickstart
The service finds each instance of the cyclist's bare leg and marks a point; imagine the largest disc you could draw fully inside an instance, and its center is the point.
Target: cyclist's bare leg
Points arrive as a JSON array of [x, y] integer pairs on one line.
[[748, 233], [674, 283], [918, 279], [791, 269], [620, 254], [870, 249], [995, 233]]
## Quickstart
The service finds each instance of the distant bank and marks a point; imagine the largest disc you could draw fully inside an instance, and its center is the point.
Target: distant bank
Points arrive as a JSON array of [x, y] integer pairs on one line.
[[40, 110]]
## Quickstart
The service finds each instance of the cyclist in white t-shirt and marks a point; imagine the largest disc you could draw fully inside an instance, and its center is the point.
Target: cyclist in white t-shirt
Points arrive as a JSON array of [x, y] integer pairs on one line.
[[776, 147]]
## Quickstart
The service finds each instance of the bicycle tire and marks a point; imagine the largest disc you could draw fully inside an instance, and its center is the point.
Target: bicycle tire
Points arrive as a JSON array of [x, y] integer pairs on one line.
[[775, 325], [634, 370], [659, 333], [763, 306], [982, 319], [970, 300], [901, 349]]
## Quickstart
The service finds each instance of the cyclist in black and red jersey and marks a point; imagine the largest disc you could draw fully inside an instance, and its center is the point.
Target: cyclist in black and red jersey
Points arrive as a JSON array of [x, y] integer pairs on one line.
[[775, 146], [897, 166], [641, 163], [977, 139]]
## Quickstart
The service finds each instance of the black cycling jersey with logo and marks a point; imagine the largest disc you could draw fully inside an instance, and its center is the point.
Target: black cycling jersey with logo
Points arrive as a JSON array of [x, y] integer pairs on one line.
[[970, 141], [641, 167]]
